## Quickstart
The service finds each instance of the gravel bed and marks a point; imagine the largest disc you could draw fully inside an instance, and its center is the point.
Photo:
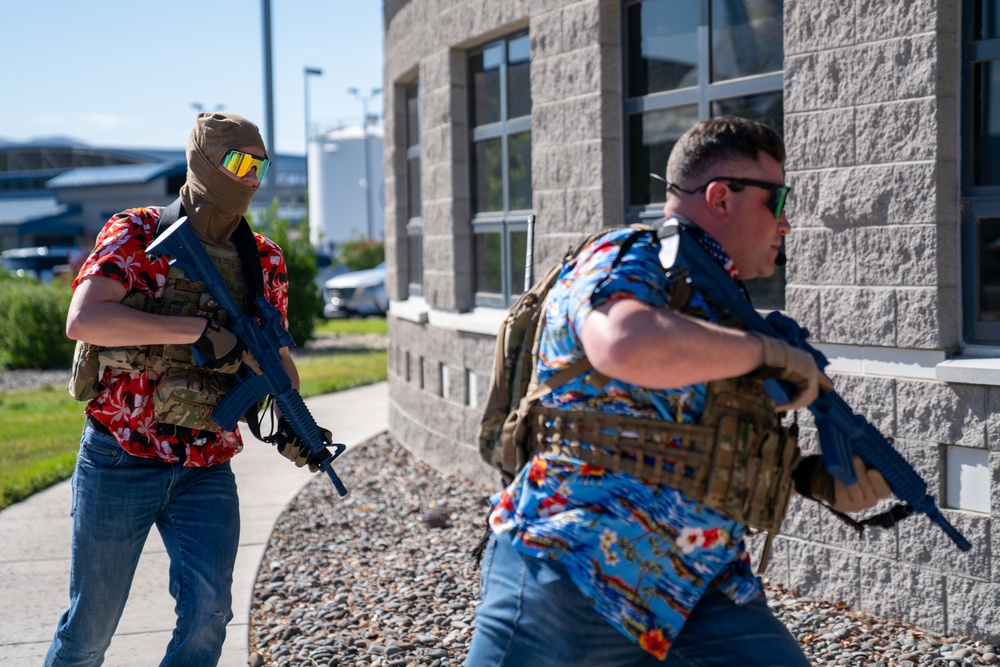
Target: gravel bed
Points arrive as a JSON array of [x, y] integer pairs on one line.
[[384, 578]]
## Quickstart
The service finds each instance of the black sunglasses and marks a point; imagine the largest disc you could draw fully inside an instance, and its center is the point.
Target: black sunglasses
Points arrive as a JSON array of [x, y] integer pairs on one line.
[[776, 203]]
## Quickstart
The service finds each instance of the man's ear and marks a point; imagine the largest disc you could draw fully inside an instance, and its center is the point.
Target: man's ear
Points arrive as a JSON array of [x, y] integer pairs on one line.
[[718, 198]]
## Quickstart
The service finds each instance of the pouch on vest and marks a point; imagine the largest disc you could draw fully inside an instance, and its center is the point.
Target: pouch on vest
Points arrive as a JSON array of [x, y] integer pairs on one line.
[[186, 397], [85, 380]]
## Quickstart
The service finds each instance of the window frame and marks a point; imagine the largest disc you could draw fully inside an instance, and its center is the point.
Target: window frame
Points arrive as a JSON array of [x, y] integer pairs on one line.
[[977, 201], [507, 221], [414, 223], [703, 94]]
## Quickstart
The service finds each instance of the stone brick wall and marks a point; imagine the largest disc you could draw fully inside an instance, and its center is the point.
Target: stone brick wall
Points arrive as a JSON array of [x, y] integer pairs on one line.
[[872, 126]]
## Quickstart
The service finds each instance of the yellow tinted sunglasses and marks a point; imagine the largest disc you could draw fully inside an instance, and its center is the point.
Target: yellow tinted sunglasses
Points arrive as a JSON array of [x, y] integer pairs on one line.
[[240, 164]]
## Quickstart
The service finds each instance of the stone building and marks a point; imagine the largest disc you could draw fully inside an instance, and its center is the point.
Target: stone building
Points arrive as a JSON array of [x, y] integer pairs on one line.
[[497, 109]]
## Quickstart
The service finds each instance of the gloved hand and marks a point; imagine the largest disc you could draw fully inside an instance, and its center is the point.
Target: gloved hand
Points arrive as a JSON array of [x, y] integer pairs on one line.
[[292, 448], [794, 366], [223, 349], [813, 481]]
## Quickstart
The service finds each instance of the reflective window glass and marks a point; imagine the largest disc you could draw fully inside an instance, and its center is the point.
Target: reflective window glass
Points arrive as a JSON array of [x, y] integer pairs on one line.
[[518, 256], [519, 152], [487, 174], [651, 136], [414, 203], [518, 84], [747, 38], [488, 263], [768, 108], [415, 257], [661, 45], [986, 123], [412, 117], [484, 68], [987, 20], [988, 242]]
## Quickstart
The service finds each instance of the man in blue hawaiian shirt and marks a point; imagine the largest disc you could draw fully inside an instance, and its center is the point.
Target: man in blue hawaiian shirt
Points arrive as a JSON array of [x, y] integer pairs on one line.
[[589, 565]]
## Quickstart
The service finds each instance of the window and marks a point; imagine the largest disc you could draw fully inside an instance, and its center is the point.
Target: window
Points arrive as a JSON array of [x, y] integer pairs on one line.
[[685, 61], [500, 159], [981, 172], [414, 205]]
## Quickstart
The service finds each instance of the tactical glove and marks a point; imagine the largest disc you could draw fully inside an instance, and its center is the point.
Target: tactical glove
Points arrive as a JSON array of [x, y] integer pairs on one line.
[[292, 448], [795, 367], [221, 347], [813, 481]]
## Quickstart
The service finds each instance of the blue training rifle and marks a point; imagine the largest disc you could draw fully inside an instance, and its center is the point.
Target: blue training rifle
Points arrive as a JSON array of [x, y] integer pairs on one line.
[[842, 433], [264, 342]]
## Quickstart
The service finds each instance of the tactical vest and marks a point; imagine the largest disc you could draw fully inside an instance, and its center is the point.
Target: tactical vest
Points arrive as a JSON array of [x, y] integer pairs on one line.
[[187, 394], [738, 459]]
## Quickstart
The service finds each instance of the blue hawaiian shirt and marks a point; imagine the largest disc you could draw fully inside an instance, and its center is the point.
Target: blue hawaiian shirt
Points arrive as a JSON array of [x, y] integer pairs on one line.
[[642, 554]]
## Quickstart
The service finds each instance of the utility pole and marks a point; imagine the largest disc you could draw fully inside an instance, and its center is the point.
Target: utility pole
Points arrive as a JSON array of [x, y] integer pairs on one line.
[[368, 176], [270, 190]]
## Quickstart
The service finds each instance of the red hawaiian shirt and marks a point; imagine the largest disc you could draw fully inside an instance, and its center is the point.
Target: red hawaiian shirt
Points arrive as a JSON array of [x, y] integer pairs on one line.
[[125, 405]]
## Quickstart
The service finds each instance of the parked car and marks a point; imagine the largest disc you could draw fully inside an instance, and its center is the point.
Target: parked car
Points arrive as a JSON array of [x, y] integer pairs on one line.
[[42, 263], [356, 293]]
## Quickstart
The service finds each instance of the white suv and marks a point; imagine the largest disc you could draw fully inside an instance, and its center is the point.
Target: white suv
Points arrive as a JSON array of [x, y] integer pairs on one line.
[[356, 293]]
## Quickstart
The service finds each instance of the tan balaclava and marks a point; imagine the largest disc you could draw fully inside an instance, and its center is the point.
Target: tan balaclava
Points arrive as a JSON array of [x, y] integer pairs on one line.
[[215, 202]]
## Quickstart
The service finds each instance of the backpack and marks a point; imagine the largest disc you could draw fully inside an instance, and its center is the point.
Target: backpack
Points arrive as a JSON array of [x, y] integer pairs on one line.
[[514, 387]]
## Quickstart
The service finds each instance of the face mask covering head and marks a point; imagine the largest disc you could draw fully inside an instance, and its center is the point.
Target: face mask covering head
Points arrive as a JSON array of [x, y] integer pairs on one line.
[[213, 200]]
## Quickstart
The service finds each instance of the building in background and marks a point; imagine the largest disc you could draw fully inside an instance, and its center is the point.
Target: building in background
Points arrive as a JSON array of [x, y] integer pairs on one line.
[[342, 206], [496, 109], [61, 193]]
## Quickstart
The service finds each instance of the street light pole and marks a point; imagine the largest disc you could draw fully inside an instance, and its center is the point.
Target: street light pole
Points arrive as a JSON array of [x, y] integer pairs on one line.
[[368, 177], [271, 178], [306, 72]]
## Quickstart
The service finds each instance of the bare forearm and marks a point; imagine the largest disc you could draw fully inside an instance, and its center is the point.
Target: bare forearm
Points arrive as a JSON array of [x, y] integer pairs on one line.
[[111, 324], [661, 349]]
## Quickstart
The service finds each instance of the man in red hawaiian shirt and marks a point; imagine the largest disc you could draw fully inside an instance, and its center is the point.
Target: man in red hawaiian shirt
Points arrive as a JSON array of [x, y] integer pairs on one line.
[[148, 454]]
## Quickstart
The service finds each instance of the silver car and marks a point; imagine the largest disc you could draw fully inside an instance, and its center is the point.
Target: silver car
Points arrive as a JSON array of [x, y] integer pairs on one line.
[[356, 293]]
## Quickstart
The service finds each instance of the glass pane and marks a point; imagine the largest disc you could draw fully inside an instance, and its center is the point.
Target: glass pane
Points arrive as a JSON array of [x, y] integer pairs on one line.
[[415, 255], [986, 123], [518, 81], [488, 262], [651, 135], [484, 70], [987, 20], [662, 44], [747, 38], [769, 293], [414, 203], [988, 246], [518, 252], [519, 151], [768, 108], [487, 175], [412, 117]]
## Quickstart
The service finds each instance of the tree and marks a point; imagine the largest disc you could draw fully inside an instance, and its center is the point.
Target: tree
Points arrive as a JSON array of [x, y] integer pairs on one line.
[[304, 300], [361, 253]]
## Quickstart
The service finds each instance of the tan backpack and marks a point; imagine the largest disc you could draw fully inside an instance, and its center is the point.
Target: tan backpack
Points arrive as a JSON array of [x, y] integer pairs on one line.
[[514, 386]]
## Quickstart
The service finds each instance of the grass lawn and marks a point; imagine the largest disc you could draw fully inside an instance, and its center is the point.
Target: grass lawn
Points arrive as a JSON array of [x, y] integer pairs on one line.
[[40, 428]]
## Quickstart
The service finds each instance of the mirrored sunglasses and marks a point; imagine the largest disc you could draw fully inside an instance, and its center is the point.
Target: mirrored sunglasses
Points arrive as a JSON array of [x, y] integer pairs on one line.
[[776, 203], [239, 164]]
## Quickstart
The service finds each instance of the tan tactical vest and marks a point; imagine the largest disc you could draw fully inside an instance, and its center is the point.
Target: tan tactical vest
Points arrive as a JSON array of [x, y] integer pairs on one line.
[[186, 394], [737, 460]]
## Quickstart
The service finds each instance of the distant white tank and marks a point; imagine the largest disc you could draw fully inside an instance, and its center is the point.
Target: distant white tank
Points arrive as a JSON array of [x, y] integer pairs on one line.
[[338, 175]]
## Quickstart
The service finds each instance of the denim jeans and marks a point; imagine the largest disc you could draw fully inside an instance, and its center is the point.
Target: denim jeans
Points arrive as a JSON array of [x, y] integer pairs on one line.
[[531, 613], [117, 498]]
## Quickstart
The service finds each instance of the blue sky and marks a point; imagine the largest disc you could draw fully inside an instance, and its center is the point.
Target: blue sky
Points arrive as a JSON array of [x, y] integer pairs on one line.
[[126, 72]]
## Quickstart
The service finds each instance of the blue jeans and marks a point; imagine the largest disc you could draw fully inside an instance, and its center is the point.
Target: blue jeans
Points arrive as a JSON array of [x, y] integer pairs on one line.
[[117, 498], [531, 613]]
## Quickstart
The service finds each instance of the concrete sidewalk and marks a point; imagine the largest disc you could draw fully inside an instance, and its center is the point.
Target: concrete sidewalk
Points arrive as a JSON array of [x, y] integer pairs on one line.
[[35, 548]]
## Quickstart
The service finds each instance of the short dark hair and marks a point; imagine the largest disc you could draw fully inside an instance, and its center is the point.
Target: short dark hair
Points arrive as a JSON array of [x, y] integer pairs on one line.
[[717, 140]]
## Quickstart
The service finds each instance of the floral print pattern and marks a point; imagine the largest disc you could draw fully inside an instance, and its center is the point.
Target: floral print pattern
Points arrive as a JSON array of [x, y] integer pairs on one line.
[[642, 554], [124, 405]]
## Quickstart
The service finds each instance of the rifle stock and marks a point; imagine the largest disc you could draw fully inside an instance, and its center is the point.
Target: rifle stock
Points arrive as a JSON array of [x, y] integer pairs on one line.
[[264, 341], [842, 433]]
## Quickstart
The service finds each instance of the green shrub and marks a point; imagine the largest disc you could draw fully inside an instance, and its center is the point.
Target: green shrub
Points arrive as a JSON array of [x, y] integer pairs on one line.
[[304, 300], [33, 325], [361, 253]]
